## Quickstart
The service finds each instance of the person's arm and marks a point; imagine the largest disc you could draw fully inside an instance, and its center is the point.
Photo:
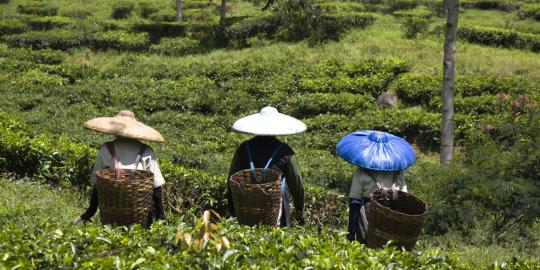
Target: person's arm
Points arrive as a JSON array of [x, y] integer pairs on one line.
[[235, 167], [296, 186], [92, 208]]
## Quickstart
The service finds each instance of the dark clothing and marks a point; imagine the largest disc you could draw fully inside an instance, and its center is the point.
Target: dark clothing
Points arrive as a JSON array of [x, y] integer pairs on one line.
[[285, 162], [358, 219], [156, 211]]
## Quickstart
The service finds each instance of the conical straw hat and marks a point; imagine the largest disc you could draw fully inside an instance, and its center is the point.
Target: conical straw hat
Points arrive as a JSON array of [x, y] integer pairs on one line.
[[124, 125], [269, 122]]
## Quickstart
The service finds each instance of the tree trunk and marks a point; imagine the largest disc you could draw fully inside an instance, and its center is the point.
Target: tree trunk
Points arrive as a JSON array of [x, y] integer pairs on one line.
[[447, 123], [222, 14], [179, 10]]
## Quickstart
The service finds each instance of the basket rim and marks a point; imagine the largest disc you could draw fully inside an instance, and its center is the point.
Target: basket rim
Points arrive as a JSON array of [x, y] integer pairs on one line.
[[146, 175], [379, 205], [232, 179]]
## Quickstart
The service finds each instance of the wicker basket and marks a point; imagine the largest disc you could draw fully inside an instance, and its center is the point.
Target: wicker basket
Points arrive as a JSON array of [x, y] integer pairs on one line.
[[124, 201], [256, 203], [399, 220]]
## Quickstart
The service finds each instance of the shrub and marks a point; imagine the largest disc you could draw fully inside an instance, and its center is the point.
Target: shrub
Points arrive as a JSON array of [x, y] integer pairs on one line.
[[4, 1], [342, 6], [8, 27], [413, 26], [199, 15], [164, 15], [36, 8], [176, 46], [146, 9], [58, 39], [530, 10], [487, 4], [199, 4], [401, 4], [48, 23], [161, 29], [49, 57], [121, 10], [305, 105], [500, 38], [119, 40], [75, 12], [417, 89], [478, 105], [240, 31], [330, 26]]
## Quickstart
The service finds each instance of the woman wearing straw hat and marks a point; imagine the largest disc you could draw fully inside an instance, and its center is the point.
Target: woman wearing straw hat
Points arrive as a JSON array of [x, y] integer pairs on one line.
[[265, 150], [381, 158], [126, 152]]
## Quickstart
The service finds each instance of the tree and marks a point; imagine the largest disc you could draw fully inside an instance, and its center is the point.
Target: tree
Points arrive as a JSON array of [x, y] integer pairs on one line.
[[179, 10], [222, 14], [447, 121]]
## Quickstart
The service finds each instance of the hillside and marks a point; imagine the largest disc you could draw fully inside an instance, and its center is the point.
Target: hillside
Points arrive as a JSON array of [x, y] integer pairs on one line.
[[324, 62]]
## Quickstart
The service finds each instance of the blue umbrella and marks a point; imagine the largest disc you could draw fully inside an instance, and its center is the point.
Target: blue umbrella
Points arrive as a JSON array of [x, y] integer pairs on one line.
[[376, 150]]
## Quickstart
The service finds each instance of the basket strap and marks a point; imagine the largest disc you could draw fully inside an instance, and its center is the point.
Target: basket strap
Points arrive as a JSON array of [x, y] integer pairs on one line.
[[265, 169], [251, 165], [137, 160], [117, 168]]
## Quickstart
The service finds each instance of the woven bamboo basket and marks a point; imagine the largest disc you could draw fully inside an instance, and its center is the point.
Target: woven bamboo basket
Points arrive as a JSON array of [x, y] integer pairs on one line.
[[398, 220], [256, 203], [124, 201]]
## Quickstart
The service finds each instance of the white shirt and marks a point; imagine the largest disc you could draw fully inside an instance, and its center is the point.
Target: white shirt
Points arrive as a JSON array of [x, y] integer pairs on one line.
[[363, 185], [126, 151]]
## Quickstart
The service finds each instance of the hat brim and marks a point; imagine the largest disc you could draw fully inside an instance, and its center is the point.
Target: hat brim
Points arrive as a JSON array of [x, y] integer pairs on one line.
[[396, 154], [277, 124], [124, 127]]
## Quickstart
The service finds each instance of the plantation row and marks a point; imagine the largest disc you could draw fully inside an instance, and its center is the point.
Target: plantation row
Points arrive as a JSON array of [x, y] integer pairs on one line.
[[37, 234]]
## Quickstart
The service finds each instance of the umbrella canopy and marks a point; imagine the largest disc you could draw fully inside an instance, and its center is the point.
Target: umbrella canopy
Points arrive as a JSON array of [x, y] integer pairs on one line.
[[269, 122], [376, 150], [124, 125]]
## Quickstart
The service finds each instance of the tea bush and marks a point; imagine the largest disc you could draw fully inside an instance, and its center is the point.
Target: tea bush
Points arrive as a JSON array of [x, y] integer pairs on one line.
[[530, 10], [488, 4], [121, 10], [58, 39], [75, 12], [500, 37], [8, 27], [312, 104], [119, 40], [147, 9], [40, 56], [36, 8], [164, 15], [49, 22], [175, 46]]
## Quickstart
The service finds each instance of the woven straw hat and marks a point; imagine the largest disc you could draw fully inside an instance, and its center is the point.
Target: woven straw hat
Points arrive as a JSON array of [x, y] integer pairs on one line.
[[124, 125], [269, 122]]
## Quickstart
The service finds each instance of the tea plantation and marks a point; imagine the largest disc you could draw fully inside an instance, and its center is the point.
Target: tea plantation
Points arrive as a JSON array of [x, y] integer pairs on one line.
[[324, 62]]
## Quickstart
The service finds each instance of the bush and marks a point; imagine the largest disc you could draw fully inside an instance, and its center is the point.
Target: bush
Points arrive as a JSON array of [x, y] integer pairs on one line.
[[305, 105], [342, 6], [121, 10], [146, 9], [401, 4], [240, 31], [4, 1], [487, 4], [199, 15], [164, 15], [162, 29], [75, 12], [530, 10], [119, 40], [500, 38], [176, 46], [330, 26], [58, 39], [8, 27], [198, 4], [48, 57], [36, 8], [478, 105], [413, 26], [48, 23]]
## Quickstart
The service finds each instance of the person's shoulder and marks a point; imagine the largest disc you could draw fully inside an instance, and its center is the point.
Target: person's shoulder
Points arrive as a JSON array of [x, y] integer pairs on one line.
[[287, 150]]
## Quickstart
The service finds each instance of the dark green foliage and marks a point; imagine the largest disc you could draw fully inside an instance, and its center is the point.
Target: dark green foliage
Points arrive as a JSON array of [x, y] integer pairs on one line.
[[119, 40], [477, 105], [75, 13], [8, 27], [47, 23], [401, 4], [530, 10], [147, 9], [164, 15], [331, 26], [412, 26], [488, 4], [121, 9], [40, 8], [4, 1], [342, 6], [239, 32], [500, 37], [58, 39], [320, 103], [39, 57], [199, 4], [176, 46], [162, 29]]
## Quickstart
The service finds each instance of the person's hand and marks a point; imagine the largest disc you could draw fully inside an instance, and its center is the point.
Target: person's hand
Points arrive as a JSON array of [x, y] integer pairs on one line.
[[299, 217], [78, 220]]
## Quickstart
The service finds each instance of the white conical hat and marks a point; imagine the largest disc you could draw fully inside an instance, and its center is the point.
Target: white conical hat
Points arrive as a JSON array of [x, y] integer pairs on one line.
[[124, 125], [269, 122]]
